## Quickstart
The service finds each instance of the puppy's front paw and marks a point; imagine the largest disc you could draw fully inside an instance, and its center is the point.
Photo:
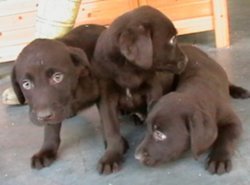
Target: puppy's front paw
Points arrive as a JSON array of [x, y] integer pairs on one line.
[[110, 163], [112, 159], [219, 164], [43, 159]]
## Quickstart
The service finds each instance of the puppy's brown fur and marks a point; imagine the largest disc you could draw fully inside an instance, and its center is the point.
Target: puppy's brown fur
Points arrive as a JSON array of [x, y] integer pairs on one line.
[[55, 78], [198, 115], [50, 103], [127, 56]]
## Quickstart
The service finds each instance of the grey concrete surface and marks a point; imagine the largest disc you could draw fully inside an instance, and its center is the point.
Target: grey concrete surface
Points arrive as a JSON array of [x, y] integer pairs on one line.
[[82, 143]]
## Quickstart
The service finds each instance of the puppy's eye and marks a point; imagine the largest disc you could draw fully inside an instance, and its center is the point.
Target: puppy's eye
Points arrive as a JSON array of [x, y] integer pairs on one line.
[[27, 84], [172, 41], [57, 77], [159, 136]]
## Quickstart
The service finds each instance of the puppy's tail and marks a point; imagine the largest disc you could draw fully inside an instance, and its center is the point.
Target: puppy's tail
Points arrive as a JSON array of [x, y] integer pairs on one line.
[[238, 92]]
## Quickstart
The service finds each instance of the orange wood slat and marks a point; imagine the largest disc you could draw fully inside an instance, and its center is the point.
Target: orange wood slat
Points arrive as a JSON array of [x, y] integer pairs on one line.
[[103, 12], [182, 9], [169, 2]]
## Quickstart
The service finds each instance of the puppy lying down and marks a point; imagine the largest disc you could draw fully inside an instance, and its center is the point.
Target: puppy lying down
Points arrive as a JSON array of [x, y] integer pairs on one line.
[[198, 115]]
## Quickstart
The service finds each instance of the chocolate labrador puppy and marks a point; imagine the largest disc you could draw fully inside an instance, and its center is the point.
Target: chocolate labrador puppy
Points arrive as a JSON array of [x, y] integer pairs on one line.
[[129, 55], [55, 78], [198, 115]]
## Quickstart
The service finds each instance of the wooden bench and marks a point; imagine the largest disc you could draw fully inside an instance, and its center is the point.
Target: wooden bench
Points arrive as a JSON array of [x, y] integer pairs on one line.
[[18, 19]]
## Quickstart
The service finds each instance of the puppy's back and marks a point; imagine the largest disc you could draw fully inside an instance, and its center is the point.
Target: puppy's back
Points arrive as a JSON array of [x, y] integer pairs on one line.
[[84, 37], [203, 70]]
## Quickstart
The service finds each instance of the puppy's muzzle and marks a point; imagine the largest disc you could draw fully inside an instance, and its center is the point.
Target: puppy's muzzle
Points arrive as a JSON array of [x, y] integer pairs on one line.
[[45, 115]]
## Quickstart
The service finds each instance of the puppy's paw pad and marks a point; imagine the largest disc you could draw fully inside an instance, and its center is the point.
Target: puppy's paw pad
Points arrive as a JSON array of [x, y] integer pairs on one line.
[[219, 167], [42, 159]]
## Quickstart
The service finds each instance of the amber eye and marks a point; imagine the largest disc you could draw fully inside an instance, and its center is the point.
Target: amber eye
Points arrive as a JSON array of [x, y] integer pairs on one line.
[[27, 84], [57, 77]]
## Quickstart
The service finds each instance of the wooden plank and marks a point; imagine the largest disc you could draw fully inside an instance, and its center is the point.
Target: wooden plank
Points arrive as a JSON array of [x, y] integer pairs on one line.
[[143, 2], [103, 12], [10, 7], [14, 37], [94, 1], [17, 21], [189, 16], [91, 1], [10, 53], [194, 25], [221, 24], [181, 9], [169, 2]]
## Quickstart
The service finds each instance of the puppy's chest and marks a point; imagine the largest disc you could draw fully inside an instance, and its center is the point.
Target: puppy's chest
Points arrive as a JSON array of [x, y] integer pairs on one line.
[[84, 98], [130, 100]]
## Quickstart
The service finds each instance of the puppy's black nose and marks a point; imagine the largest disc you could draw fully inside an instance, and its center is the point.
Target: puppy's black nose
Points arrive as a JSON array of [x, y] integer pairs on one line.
[[44, 115]]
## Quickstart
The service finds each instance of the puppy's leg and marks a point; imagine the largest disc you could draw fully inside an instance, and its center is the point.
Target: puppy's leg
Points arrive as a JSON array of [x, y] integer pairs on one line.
[[219, 160], [116, 145], [155, 93], [48, 152]]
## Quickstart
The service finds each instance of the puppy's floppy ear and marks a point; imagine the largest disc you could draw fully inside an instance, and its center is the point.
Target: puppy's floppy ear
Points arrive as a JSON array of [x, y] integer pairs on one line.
[[16, 87], [136, 45], [80, 60], [203, 132]]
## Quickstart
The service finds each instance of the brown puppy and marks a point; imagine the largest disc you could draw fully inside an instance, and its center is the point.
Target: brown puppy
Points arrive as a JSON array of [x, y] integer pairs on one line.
[[198, 115], [139, 38], [127, 55], [55, 79]]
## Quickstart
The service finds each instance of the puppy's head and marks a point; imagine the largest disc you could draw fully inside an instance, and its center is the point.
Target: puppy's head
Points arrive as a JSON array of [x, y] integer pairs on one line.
[[149, 40], [174, 125], [45, 75]]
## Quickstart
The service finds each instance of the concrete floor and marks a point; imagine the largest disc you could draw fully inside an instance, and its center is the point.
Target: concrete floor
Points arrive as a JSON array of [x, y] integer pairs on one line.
[[82, 145]]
